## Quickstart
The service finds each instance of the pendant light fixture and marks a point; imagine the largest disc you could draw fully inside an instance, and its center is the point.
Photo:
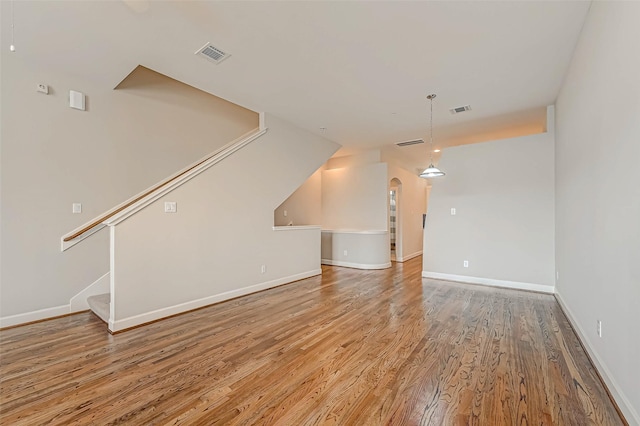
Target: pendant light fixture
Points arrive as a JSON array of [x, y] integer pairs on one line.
[[431, 171]]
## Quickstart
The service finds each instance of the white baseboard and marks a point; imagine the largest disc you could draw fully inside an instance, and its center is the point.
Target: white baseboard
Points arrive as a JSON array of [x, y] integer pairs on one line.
[[100, 286], [631, 415], [140, 319], [78, 303], [490, 282], [355, 265], [409, 257], [32, 316]]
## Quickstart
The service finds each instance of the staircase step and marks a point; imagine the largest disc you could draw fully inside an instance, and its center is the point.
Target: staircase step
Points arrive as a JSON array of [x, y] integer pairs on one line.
[[99, 304]]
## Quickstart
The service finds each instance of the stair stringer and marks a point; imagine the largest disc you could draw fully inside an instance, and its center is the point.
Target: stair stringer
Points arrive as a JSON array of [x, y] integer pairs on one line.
[[79, 301], [100, 304]]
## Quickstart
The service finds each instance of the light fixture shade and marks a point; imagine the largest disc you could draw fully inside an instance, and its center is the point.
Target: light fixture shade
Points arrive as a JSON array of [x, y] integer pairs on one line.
[[431, 172]]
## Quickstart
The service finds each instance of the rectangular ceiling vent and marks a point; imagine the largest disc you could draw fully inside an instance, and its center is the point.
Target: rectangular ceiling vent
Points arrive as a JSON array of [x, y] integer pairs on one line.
[[212, 53], [458, 110], [413, 142]]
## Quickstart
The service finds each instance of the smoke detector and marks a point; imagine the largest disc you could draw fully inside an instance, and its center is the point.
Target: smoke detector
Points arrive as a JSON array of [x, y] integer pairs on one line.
[[458, 110], [212, 53], [412, 142]]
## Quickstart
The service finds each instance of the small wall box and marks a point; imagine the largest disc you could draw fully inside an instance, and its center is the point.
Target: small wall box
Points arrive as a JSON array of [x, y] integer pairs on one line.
[[76, 100]]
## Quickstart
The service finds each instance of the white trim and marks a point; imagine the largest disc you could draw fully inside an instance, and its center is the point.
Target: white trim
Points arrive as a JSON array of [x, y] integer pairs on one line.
[[353, 231], [490, 282], [625, 406], [66, 245], [408, 257], [112, 270], [296, 228], [262, 120], [209, 160], [38, 315], [355, 265], [136, 320], [79, 301]]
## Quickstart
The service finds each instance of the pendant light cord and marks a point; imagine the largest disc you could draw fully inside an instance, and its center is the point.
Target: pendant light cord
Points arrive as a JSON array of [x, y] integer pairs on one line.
[[430, 97], [431, 130], [431, 171], [13, 45]]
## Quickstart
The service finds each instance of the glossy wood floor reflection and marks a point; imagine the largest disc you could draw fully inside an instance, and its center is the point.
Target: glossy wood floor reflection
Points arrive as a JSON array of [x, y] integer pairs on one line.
[[351, 348]]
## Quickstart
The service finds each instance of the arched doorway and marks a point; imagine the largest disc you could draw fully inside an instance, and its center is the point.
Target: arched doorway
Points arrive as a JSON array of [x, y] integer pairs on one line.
[[395, 219]]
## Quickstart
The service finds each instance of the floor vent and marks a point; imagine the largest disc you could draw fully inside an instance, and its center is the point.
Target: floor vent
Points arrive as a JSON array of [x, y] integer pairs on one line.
[[458, 110], [413, 142], [212, 53]]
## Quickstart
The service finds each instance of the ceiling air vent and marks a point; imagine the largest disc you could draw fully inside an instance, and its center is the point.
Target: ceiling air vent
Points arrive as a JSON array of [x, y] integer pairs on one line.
[[413, 142], [458, 110], [212, 53]]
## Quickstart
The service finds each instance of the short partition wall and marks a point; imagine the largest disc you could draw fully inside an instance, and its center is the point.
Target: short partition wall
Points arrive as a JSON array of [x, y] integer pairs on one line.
[[166, 281], [366, 249]]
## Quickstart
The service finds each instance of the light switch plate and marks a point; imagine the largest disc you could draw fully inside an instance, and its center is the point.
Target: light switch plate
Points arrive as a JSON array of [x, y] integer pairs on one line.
[[76, 208], [76, 100], [170, 207]]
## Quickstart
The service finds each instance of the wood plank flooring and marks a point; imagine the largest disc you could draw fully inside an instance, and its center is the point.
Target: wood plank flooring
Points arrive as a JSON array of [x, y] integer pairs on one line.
[[350, 348]]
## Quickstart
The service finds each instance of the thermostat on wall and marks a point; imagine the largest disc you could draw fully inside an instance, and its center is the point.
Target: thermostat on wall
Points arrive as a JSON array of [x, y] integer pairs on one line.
[[76, 100]]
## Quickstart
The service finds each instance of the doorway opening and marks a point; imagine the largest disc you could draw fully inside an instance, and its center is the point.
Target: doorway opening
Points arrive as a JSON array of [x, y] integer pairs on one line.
[[395, 223]]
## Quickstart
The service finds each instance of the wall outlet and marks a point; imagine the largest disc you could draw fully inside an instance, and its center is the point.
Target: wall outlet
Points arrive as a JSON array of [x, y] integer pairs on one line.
[[465, 263], [599, 328], [263, 269], [453, 211], [170, 207], [285, 213], [345, 252]]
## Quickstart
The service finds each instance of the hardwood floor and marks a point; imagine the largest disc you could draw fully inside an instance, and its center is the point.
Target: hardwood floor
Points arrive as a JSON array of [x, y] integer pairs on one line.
[[350, 347]]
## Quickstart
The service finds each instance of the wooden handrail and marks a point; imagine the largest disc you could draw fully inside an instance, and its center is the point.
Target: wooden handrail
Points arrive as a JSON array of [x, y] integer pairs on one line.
[[155, 188]]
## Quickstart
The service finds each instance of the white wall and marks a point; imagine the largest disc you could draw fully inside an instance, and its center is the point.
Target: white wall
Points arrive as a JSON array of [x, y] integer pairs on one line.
[[355, 197], [356, 249], [372, 156], [53, 156], [304, 206], [503, 193], [214, 246], [598, 195], [413, 204]]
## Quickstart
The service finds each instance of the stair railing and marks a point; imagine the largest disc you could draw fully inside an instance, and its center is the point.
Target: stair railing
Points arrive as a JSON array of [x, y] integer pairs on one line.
[[90, 228]]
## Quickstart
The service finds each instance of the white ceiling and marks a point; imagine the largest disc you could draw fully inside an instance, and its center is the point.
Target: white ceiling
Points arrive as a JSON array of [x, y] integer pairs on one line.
[[360, 69]]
